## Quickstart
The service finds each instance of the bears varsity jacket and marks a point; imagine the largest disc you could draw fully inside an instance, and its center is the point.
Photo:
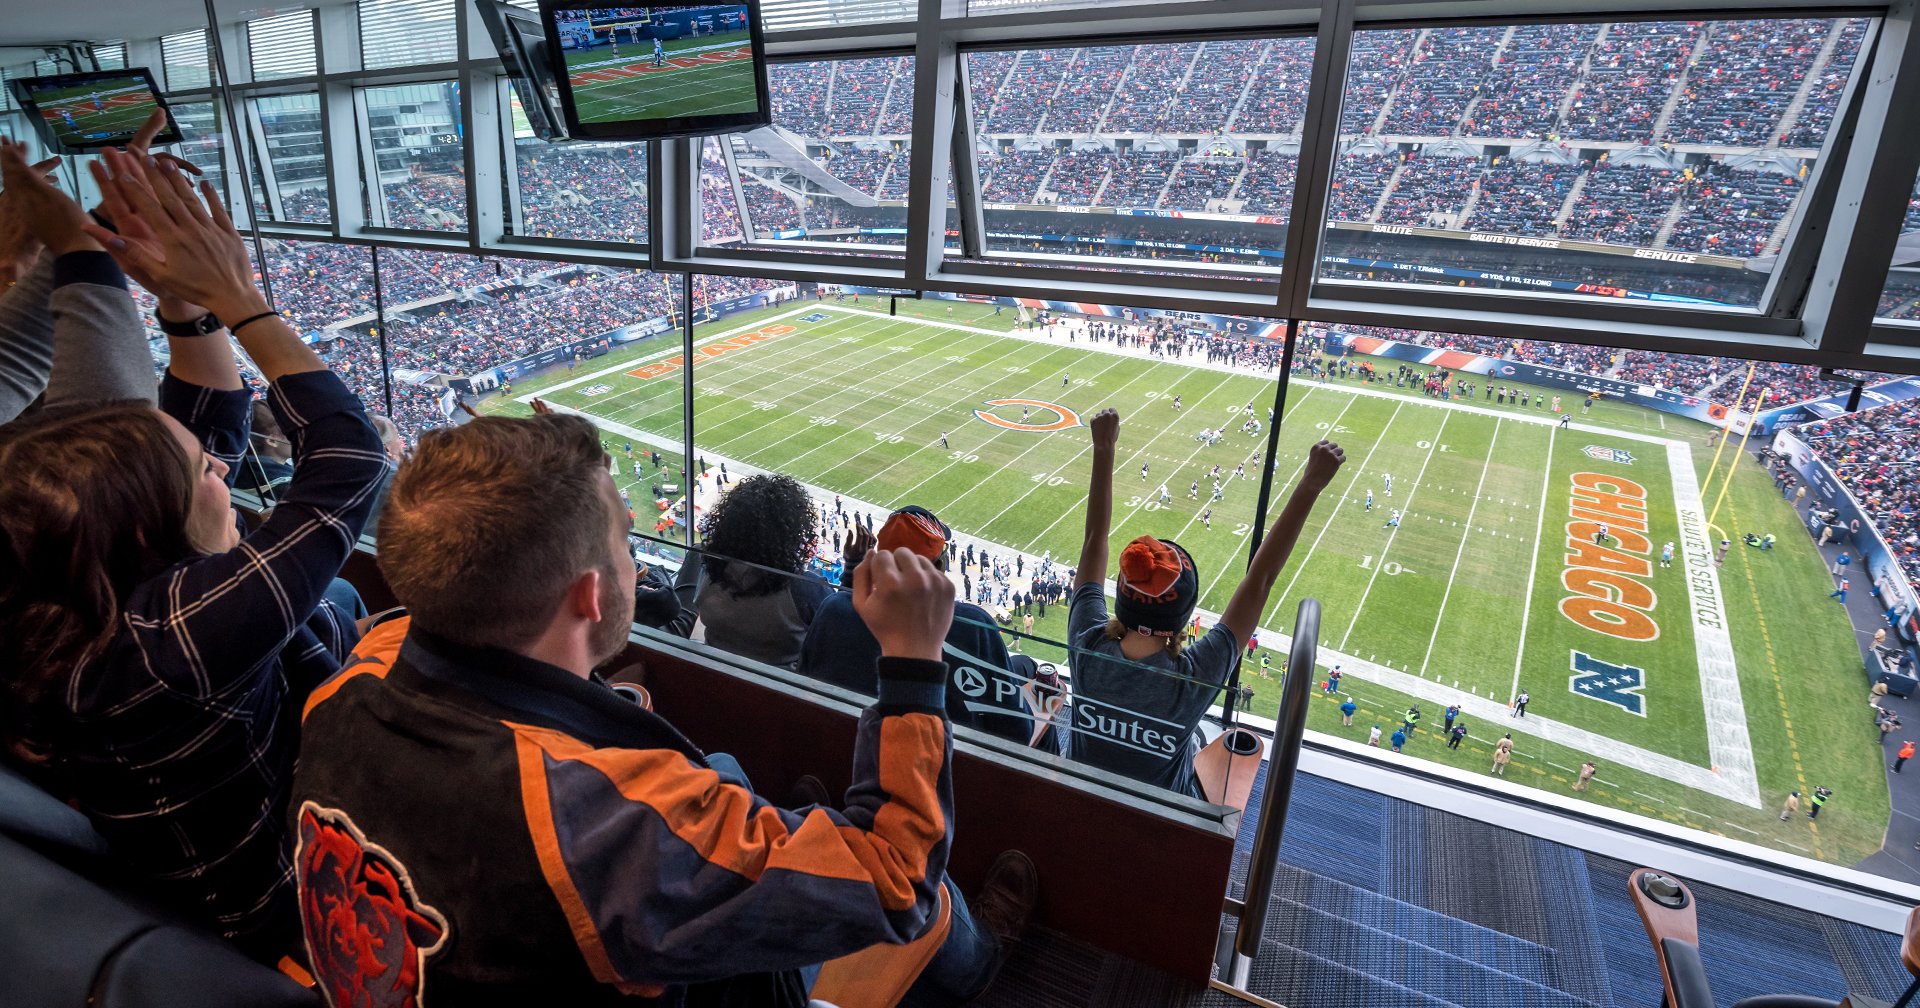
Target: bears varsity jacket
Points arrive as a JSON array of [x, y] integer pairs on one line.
[[474, 826]]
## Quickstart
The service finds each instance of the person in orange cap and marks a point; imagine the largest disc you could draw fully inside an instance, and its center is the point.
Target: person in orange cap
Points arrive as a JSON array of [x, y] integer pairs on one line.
[[1139, 693], [981, 691]]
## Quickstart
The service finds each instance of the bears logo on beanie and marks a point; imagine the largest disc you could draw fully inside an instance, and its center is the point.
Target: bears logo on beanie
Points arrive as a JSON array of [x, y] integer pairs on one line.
[[915, 528], [1158, 587]]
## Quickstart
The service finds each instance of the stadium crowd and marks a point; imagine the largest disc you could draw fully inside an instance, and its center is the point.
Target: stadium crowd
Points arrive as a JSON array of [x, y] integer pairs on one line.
[[1873, 452]]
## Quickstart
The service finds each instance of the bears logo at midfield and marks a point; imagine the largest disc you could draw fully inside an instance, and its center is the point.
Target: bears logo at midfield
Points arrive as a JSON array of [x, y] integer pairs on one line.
[[1064, 418], [368, 934]]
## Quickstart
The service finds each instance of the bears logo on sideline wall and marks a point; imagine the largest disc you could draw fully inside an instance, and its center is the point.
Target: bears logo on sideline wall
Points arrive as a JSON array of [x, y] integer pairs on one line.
[[1064, 417], [368, 932]]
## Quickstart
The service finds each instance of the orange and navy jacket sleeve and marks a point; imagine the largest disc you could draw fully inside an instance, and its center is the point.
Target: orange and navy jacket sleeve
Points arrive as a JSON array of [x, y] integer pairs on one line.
[[670, 873]]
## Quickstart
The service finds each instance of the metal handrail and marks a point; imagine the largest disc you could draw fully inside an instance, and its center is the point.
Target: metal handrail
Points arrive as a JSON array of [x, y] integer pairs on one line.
[[1290, 727]]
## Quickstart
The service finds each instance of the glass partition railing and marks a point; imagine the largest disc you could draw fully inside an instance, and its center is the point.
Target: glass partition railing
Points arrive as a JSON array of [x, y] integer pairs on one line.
[[1077, 700]]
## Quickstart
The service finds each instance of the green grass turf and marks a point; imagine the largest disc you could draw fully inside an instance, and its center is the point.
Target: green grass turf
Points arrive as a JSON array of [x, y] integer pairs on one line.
[[857, 404], [122, 115], [709, 88]]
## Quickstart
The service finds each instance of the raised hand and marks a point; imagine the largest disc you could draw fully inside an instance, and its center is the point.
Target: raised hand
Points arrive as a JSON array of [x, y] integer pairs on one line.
[[18, 246], [858, 542], [1106, 428], [171, 242], [46, 215], [1323, 460], [906, 601]]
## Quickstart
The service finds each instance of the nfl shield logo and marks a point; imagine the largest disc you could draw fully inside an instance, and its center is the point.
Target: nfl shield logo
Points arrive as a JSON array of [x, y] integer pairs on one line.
[[1602, 453]]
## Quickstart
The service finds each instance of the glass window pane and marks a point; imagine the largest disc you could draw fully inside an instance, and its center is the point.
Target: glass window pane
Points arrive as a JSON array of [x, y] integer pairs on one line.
[[595, 192], [833, 168], [419, 150], [297, 153], [1176, 153], [1901, 299], [1652, 161], [203, 139]]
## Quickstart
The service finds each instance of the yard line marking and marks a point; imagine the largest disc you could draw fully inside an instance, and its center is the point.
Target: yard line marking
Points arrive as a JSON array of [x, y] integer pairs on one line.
[[858, 387], [779, 347], [1331, 424], [1533, 565], [998, 432], [1279, 601], [1084, 448], [1412, 489], [1487, 467], [628, 365], [671, 393], [1130, 459], [927, 412]]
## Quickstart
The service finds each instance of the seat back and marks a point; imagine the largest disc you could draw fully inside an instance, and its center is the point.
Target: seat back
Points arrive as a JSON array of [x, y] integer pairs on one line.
[[72, 935], [878, 976]]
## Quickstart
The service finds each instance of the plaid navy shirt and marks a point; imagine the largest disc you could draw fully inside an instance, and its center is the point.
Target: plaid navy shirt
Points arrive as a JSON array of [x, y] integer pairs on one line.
[[180, 736]]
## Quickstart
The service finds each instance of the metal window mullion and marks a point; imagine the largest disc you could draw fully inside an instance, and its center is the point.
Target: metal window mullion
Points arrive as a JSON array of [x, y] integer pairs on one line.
[[515, 211], [673, 181], [966, 172], [480, 136], [1876, 182], [930, 165], [1319, 146], [373, 209], [1785, 294], [269, 173], [731, 173]]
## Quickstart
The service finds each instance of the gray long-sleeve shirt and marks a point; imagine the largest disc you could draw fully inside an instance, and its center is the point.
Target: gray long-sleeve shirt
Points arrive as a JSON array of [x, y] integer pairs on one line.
[[69, 332]]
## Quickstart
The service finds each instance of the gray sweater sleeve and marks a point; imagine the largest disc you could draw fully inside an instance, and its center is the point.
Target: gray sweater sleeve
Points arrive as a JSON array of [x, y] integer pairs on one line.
[[99, 345], [26, 340], [69, 330]]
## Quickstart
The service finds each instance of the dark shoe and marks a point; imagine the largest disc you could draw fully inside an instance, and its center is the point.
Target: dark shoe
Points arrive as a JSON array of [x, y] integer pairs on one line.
[[808, 791], [1006, 901]]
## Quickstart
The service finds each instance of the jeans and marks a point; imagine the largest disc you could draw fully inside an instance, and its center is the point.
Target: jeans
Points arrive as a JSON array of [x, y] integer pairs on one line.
[[967, 960], [346, 598]]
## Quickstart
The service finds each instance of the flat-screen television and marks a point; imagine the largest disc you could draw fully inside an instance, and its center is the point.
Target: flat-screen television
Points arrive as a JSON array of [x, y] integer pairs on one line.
[[531, 67], [639, 73], [86, 111]]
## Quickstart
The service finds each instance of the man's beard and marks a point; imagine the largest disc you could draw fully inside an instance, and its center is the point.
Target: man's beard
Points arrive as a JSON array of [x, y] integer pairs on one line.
[[609, 636]]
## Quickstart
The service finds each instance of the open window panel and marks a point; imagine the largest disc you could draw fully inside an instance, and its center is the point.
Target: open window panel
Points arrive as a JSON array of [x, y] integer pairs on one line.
[[829, 175], [1170, 157], [413, 150], [585, 191], [203, 140], [1900, 302], [1657, 162], [290, 160]]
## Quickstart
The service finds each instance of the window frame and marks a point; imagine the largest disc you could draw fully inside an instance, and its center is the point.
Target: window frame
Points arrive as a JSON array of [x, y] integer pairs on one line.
[[1803, 317]]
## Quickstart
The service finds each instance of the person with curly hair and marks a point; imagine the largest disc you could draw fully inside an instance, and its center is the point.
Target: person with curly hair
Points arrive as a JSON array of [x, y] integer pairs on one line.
[[751, 588]]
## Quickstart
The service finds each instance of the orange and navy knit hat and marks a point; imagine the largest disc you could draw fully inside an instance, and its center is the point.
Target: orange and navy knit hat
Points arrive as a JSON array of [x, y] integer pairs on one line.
[[915, 528], [1158, 587]]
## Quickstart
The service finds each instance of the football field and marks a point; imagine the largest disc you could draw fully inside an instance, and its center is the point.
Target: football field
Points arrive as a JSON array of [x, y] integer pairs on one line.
[[708, 75], [1677, 679]]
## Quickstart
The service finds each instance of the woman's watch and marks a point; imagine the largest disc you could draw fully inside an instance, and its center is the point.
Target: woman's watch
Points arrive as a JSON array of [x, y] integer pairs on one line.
[[205, 325]]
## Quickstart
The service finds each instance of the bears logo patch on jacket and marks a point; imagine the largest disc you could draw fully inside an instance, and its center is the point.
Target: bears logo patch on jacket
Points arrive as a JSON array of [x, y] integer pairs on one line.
[[368, 933]]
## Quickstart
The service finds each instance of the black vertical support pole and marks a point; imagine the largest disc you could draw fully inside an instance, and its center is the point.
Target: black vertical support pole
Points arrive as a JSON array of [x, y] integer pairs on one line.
[[688, 476], [1282, 763]]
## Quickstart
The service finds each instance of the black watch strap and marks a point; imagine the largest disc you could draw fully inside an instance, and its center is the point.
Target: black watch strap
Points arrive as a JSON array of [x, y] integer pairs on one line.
[[205, 325]]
